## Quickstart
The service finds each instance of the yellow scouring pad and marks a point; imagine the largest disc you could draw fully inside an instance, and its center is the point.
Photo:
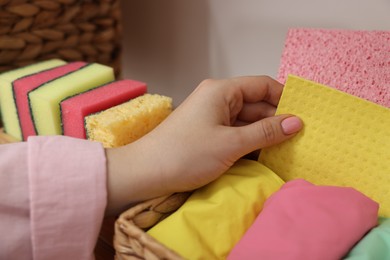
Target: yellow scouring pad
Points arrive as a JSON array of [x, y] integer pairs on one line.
[[345, 141], [125, 123]]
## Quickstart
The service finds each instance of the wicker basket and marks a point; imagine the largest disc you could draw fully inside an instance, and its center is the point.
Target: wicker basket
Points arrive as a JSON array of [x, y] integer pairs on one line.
[[34, 30], [131, 241]]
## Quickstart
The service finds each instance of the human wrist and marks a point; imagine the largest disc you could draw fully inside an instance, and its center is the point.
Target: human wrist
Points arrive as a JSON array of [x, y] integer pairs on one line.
[[132, 176]]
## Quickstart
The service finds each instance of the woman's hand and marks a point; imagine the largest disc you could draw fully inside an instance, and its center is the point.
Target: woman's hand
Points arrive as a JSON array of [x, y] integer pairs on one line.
[[221, 121]]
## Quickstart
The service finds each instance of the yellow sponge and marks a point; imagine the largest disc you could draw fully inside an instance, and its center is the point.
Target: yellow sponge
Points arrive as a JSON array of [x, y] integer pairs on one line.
[[129, 121], [345, 141]]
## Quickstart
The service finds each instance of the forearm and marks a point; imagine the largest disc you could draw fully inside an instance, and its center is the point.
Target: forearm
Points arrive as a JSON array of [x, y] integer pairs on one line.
[[219, 123], [133, 175]]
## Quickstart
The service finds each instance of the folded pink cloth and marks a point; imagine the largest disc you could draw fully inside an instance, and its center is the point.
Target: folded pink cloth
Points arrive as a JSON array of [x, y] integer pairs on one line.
[[305, 221]]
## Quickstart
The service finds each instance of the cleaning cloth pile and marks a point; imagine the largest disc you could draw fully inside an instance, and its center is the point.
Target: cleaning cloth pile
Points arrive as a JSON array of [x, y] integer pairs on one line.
[[323, 194]]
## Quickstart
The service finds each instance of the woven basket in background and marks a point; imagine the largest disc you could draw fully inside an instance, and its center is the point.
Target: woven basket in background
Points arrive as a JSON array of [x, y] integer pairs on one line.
[[35, 30]]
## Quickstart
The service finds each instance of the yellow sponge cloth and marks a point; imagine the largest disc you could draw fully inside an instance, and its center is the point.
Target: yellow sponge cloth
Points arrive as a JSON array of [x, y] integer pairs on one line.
[[345, 141], [125, 123], [217, 215]]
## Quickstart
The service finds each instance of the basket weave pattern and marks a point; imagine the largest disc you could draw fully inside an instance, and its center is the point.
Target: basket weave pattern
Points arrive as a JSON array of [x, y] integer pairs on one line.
[[131, 241], [34, 30]]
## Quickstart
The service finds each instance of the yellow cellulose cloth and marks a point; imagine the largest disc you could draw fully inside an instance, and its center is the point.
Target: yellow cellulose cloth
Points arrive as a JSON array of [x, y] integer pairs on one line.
[[345, 141], [216, 216]]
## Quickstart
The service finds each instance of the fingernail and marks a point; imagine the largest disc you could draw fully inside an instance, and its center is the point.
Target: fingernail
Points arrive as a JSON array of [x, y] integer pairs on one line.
[[291, 125]]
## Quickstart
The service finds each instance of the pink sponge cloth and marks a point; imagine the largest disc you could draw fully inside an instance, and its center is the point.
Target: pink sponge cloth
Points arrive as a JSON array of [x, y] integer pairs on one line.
[[356, 62], [305, 221], [22, 86], [75, 108]]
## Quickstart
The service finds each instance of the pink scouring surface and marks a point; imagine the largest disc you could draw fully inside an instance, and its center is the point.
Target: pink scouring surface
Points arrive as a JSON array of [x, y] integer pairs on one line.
[[22, 86], [356, 62], [75, 108]]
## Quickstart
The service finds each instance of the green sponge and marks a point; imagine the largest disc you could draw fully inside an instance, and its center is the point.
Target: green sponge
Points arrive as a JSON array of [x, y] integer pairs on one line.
[[7, 102], [45, 100]]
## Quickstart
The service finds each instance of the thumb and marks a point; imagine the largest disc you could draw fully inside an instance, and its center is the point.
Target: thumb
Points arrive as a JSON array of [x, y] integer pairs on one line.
[[269, 131]]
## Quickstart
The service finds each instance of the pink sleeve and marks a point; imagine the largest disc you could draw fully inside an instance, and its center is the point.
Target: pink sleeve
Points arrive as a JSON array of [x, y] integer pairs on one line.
[[52, 198], [68, 196], [14, 202]]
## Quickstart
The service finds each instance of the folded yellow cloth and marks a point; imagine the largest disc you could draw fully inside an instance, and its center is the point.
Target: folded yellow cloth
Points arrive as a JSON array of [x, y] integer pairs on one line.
[[216, 216], [345, 141]]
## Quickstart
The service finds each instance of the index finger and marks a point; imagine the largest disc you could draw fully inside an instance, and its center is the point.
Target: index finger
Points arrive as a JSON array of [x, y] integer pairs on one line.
[[259, 88]]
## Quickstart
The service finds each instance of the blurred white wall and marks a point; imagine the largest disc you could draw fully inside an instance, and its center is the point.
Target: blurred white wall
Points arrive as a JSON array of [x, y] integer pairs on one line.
[[173, 44]]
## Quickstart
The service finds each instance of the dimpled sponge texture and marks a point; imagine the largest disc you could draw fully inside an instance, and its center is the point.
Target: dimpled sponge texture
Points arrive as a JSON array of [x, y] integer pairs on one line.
[[355, 62], [125, 123], [75, 108], [345, 141]]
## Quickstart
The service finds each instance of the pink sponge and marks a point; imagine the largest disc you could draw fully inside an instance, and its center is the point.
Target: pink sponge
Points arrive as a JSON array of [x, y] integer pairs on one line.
[[75, 108], [22, 86], [356, 62]]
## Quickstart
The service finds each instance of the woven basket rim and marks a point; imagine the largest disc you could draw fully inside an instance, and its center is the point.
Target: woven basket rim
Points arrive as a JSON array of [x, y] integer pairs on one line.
[[132, 242]]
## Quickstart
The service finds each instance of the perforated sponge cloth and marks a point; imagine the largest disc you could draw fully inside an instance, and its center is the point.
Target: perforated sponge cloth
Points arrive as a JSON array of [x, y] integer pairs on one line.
[[345, 141]]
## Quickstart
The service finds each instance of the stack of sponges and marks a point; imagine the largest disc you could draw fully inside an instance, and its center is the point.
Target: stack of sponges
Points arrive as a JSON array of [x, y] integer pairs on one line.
[[58, 98]]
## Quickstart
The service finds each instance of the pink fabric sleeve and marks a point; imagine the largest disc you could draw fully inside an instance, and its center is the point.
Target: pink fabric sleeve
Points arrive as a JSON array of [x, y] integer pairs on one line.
[[68, 196], [52, 198], [14, 202]]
